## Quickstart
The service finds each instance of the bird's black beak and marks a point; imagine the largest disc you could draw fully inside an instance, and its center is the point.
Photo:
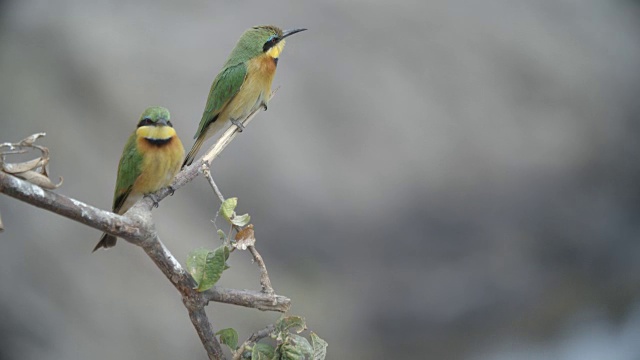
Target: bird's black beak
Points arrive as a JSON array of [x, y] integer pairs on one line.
[[162, 121], [290, 32]]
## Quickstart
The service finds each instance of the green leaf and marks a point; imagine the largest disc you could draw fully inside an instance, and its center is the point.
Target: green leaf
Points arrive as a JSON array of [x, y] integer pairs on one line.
[[290, 352], [227, 208], [196, 262], [301, 344], [241, 220], [214, 268], [222, 235], [229, 337], [287, 323], [206, 266], [319, 347], [262, 352], [225, 250]]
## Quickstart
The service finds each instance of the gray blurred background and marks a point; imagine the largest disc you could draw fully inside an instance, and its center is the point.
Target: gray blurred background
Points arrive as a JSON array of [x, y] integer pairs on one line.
[[433, 180]]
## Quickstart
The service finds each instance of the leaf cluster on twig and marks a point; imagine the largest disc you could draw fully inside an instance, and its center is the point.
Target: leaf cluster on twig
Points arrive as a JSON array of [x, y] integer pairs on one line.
[[289, 345]]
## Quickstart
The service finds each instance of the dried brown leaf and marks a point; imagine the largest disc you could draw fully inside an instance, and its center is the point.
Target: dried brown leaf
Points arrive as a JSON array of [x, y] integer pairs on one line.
[[35, 170], [14, 168], [29, 140], [245, 238], [39, 179]]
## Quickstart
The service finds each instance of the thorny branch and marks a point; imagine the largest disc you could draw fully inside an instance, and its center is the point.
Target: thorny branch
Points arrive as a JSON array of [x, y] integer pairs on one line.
[[137, 227]]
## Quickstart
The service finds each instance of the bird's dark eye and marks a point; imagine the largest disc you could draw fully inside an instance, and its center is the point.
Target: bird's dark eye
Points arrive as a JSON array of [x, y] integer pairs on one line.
[[272, 41], [169, 123], [145, 122]]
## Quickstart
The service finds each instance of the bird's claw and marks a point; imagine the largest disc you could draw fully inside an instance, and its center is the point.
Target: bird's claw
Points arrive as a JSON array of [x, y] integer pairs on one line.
[[171, 191], [238, 123], [264, 106], [153, 198]]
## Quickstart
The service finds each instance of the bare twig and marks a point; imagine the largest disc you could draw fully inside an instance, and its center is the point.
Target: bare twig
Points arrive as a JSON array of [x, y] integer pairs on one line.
[[122, 226], [207, 173], [252, 299], [264, 276], [254, 338], [205, 332], [261, 334], [265, 282], [186, 285]]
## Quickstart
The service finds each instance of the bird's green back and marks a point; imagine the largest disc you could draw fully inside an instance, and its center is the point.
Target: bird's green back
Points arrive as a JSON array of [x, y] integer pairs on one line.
[[128, 171], [224, 88]]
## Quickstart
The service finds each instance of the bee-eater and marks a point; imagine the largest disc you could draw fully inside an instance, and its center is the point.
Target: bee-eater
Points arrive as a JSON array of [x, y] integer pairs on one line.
[[150, 160], [244, 84]]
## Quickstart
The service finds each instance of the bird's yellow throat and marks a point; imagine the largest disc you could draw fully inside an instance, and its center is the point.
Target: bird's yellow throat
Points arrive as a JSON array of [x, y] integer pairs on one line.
[[155, 132], [276, 49]]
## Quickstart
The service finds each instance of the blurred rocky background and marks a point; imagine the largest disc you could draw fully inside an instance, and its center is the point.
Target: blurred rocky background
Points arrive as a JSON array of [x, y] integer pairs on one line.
[[433, 180]]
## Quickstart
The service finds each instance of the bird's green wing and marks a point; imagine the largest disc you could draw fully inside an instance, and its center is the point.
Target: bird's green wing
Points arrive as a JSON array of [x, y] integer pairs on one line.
[[128, 171], [224, 88]]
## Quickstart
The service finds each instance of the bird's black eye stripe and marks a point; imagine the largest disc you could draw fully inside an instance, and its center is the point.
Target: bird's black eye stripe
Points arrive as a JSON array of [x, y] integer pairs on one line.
[[145, 122], [272, 41]]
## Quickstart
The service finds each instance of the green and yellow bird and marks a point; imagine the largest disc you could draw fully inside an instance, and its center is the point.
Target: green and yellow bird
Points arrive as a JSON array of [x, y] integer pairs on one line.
[[244, 84], [150, 160]]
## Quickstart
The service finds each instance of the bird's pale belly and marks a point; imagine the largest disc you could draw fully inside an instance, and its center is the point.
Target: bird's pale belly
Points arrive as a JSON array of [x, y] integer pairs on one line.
[[254, 92]]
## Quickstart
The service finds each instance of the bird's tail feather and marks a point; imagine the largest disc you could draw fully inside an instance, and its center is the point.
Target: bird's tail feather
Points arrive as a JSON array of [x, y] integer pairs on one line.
[[106, 241], [194, 150]]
